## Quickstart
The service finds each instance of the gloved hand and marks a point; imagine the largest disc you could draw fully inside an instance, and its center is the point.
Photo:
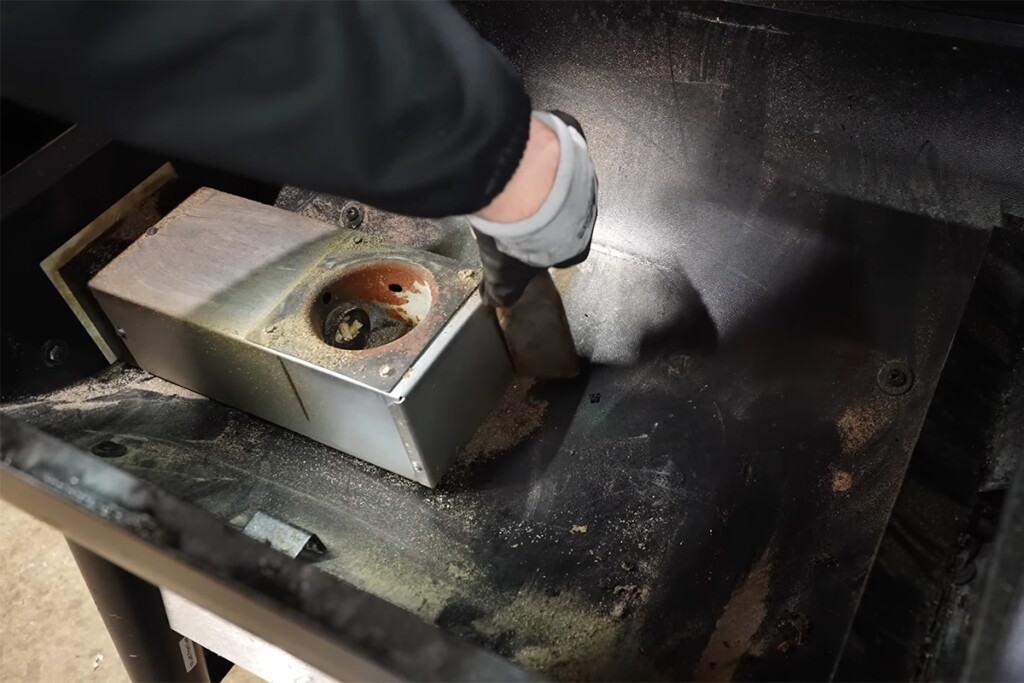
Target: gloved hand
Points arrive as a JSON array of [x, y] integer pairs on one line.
[[558, 235]]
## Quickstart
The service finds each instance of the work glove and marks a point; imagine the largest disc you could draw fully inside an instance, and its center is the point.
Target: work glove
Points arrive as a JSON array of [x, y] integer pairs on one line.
[[558, 235]]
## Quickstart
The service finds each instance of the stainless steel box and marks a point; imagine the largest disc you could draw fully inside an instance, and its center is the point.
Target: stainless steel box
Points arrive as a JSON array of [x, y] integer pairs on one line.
[[239, 301]]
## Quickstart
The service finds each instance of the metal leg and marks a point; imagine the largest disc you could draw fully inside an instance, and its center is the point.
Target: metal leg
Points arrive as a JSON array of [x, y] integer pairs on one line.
[[134, 614]]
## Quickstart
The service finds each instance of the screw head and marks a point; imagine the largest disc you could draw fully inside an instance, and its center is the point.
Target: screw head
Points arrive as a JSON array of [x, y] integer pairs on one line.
[[352, 216], [270, 329], [467, 274], [386, 370], [358, 240], [151, 231], [55, 352], [121, 333], [895, 377]]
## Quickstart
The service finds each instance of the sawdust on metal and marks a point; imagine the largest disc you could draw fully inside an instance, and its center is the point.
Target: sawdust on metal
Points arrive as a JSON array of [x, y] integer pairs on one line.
[[517, 416], [861, 424], [735, 631]]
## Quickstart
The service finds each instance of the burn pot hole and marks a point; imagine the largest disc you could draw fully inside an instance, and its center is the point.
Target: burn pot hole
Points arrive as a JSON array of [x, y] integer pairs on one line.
[[372, 305], [347, 328]]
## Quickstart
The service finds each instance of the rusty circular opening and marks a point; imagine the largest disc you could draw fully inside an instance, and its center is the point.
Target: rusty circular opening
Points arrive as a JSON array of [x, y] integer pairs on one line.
[[373, 304]]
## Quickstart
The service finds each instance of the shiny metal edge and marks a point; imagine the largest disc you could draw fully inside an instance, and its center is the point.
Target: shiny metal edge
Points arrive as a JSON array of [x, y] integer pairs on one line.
[[234, 643], [463, 373]]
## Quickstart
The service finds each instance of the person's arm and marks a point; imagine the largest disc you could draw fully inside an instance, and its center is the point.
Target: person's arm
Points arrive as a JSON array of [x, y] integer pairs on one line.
[[400, 105]]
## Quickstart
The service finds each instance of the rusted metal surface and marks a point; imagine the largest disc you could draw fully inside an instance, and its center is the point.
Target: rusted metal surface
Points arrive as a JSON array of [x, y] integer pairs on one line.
[[431, 289]]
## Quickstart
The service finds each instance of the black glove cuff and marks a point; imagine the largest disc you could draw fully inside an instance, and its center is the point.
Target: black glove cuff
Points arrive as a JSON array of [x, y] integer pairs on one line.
[[505, 278]]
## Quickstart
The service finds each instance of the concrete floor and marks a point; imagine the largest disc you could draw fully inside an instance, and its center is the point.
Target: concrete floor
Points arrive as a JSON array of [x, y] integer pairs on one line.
[[49, 627]]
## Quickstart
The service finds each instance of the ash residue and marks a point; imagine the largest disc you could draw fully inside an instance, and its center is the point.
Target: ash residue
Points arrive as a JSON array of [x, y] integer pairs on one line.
[[378, 570], [386, 335], [89, 393], [446, 236], [564, 636], [517, 416]]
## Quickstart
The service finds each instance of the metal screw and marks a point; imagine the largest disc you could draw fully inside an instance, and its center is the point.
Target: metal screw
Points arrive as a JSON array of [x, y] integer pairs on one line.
[[352, 216], [54, 352], [385, 370], [418, 467], [121, 333], [358, 240], [895, 378], [270, 329], [151, 231], [467, 274]]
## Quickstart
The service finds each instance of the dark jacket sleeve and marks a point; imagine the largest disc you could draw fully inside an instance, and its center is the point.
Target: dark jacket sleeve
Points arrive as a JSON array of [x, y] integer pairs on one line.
[[398, 104]]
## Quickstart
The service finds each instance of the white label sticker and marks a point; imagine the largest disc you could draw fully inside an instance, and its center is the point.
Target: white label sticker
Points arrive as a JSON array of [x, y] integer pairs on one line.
[[188, 654]]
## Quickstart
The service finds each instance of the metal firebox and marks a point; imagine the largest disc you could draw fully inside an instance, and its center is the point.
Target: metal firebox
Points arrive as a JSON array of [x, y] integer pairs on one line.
[[381, 351]]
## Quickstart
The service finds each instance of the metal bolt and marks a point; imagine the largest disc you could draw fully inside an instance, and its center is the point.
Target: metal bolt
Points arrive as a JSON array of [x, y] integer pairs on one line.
[[418, 467], [121, 333], [54, 352], [386, 370], [358, 240], [352, 216], [895, 377], [151, 231]]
